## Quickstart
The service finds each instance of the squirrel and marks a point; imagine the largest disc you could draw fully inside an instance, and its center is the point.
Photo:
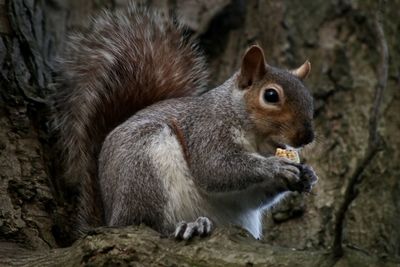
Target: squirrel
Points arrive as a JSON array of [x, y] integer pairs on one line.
[[148, 143]]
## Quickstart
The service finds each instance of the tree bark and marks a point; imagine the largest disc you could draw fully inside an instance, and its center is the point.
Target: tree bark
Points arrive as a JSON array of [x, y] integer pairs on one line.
[[350, 218], [141, 246]]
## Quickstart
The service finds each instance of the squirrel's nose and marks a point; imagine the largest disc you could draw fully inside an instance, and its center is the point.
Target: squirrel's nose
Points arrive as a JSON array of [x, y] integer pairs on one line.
[[305, 136]]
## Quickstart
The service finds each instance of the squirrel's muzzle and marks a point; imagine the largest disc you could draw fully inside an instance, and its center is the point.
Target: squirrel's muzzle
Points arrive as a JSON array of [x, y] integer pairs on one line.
[[305, 135]]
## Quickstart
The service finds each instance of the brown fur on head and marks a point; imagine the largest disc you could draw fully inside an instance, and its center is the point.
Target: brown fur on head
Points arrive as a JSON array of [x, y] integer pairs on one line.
[[278, 103]]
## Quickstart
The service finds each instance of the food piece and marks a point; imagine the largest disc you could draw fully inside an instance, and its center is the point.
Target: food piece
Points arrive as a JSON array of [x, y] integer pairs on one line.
[[288, 153]]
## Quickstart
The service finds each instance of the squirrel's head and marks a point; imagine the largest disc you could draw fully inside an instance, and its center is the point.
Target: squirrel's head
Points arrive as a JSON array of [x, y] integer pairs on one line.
[[279, 105]]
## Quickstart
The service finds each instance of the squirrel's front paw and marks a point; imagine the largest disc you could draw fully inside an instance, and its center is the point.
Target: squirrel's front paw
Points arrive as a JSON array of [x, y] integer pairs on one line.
[[295, 177], [201, 227], [289, 172], [308, 178]]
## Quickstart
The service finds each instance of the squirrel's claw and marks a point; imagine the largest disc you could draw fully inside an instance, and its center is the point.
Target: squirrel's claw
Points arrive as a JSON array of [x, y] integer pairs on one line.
[[308, 178], [201, 227]]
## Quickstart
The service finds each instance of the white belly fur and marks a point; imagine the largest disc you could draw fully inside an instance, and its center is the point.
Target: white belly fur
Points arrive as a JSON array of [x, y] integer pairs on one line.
[[184, 201]]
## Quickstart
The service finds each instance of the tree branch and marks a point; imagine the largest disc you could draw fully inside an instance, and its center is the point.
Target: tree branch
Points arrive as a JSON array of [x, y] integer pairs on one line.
[[142, 246]]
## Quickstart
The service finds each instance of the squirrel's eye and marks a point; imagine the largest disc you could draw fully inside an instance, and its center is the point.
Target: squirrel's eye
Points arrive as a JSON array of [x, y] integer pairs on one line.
[[271, 96]]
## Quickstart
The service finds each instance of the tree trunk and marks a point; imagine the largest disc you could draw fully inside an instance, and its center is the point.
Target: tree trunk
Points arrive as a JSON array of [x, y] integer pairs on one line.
[[349, 219]]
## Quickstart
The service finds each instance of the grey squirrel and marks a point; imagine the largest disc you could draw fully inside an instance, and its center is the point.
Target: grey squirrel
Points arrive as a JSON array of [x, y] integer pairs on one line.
[[147, 143]]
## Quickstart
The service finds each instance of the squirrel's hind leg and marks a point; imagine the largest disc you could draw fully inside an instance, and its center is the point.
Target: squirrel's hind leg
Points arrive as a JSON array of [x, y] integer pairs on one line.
[[201, 227]]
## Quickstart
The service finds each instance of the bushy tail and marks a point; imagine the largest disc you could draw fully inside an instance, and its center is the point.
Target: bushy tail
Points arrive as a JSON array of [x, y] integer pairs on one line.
[[125, 61]]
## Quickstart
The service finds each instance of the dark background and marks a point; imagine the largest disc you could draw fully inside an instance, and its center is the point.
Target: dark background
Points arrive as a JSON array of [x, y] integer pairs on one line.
[[352, 216]]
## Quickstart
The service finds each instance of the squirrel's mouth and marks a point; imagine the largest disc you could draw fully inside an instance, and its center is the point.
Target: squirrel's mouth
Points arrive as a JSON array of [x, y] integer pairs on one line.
[[282, 145], [278, 145]]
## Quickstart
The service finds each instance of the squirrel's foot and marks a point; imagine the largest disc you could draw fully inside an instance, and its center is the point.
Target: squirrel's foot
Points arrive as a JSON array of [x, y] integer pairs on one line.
[[201, 227]]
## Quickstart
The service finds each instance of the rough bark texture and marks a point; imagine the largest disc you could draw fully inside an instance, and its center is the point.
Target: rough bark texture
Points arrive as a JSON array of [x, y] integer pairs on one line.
[[352, 217]]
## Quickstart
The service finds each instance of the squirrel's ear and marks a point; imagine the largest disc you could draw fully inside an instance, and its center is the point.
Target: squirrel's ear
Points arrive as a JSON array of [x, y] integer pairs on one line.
[[253, 67], [303, 71]]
